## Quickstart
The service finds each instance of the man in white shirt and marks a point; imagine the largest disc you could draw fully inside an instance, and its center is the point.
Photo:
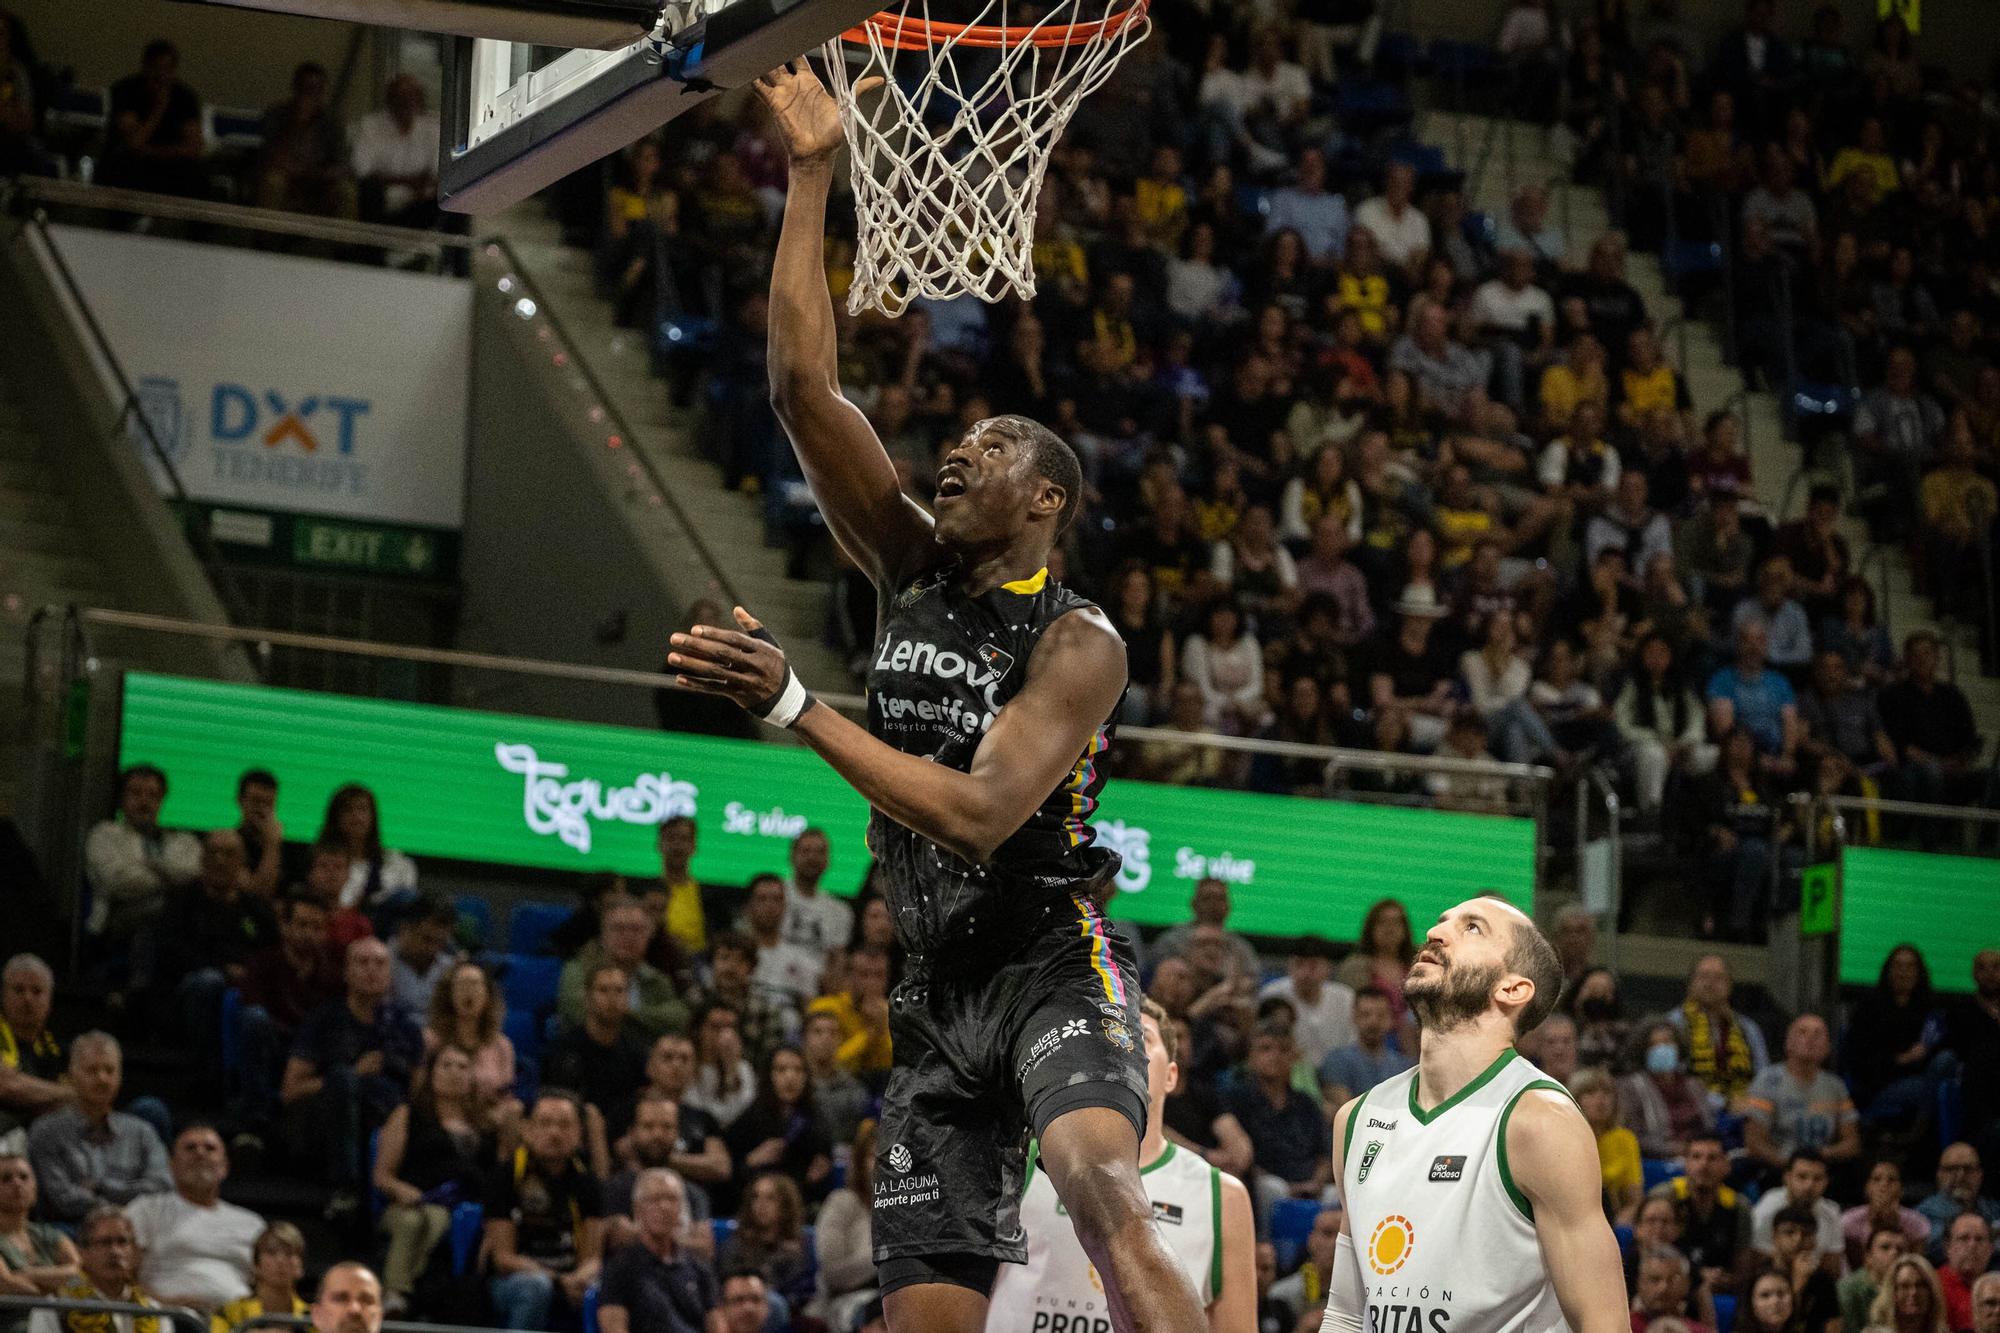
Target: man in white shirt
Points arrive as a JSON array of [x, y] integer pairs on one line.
[[1804, 1185], [395, 158], [1325, 1007], [1518, 321], [781, 965], [1397, 224], [815, 920], [194, 1249], [132, 863]]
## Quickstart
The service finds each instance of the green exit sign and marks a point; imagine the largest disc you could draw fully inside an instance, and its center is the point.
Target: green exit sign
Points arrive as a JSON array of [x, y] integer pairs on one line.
[[363, 546]]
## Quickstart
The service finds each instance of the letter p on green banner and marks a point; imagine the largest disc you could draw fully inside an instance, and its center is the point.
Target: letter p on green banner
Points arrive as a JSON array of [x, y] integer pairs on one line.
[[1816, 899]]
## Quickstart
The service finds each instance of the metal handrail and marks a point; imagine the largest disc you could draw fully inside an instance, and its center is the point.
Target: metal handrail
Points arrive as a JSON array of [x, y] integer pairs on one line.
[[1886, 806], [1369, 759], [669, 495], [112, 199], [176, 1314]]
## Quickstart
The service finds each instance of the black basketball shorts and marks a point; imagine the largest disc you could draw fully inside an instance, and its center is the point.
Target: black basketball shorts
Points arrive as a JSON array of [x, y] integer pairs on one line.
[[987, 1053]]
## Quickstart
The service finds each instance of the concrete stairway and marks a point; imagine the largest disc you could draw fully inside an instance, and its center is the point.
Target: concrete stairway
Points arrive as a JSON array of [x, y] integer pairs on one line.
[[730, 524], [1521, 154], [45, 560]]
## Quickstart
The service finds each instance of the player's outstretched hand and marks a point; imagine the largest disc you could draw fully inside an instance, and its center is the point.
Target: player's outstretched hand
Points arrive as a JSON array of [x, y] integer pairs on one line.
[[804, 111], [744, 664]]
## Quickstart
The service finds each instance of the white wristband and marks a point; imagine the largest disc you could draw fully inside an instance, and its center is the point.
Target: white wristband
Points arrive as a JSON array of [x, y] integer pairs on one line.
[[792, 701]]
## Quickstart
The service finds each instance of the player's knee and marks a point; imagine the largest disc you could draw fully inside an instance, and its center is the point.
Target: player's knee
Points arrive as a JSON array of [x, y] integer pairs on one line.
[[1103, 1197]]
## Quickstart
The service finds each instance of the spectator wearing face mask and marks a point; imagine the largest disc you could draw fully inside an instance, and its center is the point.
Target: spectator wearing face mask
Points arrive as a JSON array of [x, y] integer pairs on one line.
[[1663, 1105]]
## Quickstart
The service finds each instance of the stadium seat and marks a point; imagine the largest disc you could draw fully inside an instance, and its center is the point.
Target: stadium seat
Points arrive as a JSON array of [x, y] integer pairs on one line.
[[530, 924], [475, 918], [528, 983], [724, 1228], [376, 1200], [467, 1221], [1291, 1223], [524, 1028], [234, 129], [1725, 1313], [1655, 1171], [1479, 229], [590, 1298], [232, 1031], [1399, 55], [1363, 107], [1624, 1236], [1950, 1110]]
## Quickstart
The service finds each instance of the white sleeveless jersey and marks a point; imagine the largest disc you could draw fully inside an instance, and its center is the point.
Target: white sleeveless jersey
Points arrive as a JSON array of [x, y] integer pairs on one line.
[[1444, 1236], [1058, 1291]]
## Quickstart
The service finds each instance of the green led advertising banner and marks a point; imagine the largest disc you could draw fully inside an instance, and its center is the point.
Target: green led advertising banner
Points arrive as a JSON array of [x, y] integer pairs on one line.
[[508, 790], [1948, 906]]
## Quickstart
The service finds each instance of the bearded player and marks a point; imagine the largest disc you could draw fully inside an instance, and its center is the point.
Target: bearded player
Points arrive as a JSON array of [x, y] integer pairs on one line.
[[1203, 1215], [1471, 1181], [990, 699]]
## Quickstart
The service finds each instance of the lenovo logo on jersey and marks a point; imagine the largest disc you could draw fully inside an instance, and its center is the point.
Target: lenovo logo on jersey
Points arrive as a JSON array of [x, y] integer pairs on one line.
[[984, 670], [1448, 1168]]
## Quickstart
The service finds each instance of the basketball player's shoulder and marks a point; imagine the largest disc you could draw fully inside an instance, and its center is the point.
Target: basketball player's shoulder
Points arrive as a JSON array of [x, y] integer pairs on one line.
[[1546, 1144], [1079, 637]]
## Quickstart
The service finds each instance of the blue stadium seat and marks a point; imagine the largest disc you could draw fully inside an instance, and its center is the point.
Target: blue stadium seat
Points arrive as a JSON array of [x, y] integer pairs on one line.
[[1363, 107], [1624, 1236], [530, 924], [724, 1228], [1725, 1313], [1685, 259], [1469, 60], [232, 1031], [528, 983], [527, 1076], [467, 1221], [590, 1298], [1480, 229], [1427, 159], [1654, 1171], [1291, 1223], [475, 915], [1398, 55], [524, 1029], [1811, 398], [1950, 1110]]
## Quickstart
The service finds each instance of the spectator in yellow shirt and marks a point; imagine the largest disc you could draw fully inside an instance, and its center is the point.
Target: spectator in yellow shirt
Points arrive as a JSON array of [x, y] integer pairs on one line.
[[863, 1013], [1871, 152], [683, 919], [1617, 1147], [1577, 379], [277, 1262], [1161, 201], [1648, 384]]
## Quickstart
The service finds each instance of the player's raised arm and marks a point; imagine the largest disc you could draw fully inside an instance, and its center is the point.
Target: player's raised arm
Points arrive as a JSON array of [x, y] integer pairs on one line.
[[1550, 1146], [846, 465]]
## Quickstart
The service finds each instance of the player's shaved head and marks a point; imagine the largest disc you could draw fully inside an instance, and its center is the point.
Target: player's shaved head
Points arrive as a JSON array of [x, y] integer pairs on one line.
[[1531, 955], [1052, 458]]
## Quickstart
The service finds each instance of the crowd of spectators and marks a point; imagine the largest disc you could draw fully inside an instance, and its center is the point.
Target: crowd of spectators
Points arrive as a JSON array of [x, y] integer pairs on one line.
[[700, 1051], [156, 137]]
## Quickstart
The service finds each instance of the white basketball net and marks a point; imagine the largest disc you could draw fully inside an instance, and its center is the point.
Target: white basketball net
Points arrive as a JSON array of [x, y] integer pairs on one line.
[[948, 155]]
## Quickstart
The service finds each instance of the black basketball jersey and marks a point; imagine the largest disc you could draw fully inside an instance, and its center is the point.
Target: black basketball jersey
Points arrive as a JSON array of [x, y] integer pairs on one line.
[[945, 663]]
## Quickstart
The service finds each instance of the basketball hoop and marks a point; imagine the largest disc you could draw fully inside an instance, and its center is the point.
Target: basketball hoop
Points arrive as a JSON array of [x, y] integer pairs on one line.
[[948, 156]]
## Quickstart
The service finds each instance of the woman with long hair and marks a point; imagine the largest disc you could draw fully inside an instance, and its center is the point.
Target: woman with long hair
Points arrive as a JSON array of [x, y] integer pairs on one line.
[[467, 1011], [723, 1084], [434, 1154], [1856, 634], [1662, 722], [1911, 1299], [1886, 1036], [1381, 958], [36, 1259], [379, 878], [1227, 664], [843, 1239], [1617, 1147], [1602, 1031], [770, 1237], [1769, 1306], [1151, 656], [1258, 570], [780, 1130], [1323, 488]]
